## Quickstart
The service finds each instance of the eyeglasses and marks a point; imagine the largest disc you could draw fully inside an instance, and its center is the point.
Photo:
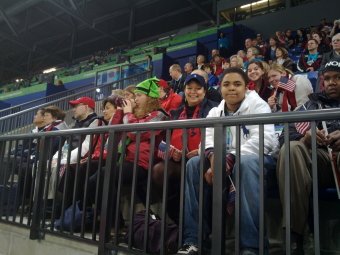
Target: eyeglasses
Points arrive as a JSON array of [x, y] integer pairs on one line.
[[335, 40]]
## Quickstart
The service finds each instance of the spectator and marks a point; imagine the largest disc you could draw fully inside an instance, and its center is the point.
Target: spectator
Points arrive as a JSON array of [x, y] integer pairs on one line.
[[212, 79], [242, 54], [168, 98], [335, 53], [188, 68], [281, 38], [322, 46], [247, 44], [223, 45], [300, 156], [336, 28], [311, 60], [200, 61], [236, 61], [289, 91], [252, 54], [237, 100], [290, 40], [129, 94], [177, 82], [83, 113], [283, 59], [257, 73], [270, 54], [217, 65], [196, 106], [211, 93], [301, 38], [261, 45]]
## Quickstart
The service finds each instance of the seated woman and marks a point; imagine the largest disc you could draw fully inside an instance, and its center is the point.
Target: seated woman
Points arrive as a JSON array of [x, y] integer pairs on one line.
[[257, 74], [289, 91], [168, 98], [283, 59], [238, 100], [196, 106]]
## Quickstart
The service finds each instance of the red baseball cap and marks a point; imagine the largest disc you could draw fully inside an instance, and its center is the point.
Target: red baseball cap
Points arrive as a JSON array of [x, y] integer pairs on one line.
[[83, 100], [164, 84]]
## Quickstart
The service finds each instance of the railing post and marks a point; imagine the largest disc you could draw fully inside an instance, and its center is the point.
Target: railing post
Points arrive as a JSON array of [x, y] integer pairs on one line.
[[35, 231], [109, 190], [218, 212]]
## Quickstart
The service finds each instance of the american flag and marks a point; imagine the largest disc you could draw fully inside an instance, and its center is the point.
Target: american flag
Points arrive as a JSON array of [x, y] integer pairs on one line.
[[302, 127], [286, 84], [162, 149]]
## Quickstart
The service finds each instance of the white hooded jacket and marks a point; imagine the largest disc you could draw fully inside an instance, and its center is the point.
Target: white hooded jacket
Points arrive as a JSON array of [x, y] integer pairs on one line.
[[252, 104]]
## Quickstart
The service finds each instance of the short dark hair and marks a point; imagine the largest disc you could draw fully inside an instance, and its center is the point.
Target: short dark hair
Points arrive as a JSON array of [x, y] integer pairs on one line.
[[238, 71], [55, 111]]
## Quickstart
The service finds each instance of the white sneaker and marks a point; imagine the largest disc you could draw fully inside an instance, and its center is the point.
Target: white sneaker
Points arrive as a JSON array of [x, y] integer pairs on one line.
[[189, 249]]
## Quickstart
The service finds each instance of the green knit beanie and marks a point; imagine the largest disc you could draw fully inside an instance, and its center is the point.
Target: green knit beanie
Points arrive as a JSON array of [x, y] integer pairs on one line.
[[148, 87]]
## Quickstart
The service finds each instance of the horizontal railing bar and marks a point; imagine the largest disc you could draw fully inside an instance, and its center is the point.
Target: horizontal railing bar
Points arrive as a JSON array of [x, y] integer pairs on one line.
[[254, 119]]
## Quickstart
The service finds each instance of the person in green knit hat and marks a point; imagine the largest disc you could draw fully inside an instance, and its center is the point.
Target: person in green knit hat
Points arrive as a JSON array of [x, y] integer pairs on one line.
[[146, 109]]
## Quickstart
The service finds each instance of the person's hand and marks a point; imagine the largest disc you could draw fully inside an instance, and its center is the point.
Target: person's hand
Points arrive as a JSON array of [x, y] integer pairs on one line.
[[333, 140], [310, 69], [127, 106], [272, 101], [320, 138], [209, 176], [177, 156], [83, 160], [192, 153]]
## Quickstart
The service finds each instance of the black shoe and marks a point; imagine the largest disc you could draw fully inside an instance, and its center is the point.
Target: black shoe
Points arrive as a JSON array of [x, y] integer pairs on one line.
[[188, 249], [296, 246]]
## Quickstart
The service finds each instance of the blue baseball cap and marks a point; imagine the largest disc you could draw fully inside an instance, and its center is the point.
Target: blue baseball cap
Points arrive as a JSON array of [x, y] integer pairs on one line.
[[198, 78]]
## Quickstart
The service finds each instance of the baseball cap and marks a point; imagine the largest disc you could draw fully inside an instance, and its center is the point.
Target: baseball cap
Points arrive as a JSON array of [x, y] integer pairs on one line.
[[164, 84], [83, 100], [148, 87], [198, 78], [332, 65]]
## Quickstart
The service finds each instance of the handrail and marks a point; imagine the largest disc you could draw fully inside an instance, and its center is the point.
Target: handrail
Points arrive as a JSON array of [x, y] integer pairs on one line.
[[70, 96], [254, 119]]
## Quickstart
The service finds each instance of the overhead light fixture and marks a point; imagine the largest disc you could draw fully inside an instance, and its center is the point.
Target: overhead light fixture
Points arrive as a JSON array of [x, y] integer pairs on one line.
[[50, 70], [255, 3]]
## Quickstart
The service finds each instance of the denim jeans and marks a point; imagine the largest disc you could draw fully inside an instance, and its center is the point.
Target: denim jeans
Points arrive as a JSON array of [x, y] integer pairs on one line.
[[249, 200]]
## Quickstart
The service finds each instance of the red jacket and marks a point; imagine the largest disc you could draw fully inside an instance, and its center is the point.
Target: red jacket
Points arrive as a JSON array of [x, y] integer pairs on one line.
[[171, 102], [145, 136]]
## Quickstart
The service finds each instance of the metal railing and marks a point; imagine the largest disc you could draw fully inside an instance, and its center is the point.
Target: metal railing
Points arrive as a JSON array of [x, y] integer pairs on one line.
[[21, 122], [108, 179]]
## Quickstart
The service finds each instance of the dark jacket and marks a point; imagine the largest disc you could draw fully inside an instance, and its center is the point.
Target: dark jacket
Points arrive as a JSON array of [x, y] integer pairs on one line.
[[329, 56], [316, 101], [82, 124], [303, 65], [178, 86]]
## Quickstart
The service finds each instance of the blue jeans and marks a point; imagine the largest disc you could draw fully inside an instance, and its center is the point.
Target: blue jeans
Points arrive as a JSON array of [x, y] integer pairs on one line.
[[249, 200]]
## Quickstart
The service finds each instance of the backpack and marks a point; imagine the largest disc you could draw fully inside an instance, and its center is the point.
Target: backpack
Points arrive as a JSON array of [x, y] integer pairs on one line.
[[154, 241]]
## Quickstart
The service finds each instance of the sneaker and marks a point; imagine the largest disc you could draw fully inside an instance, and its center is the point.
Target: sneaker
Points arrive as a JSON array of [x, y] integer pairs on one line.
[[249, 252], [188, 249]]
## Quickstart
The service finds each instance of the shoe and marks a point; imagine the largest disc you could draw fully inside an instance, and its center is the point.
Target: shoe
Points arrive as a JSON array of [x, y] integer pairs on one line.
[[189, 249], [296, 246], [249, 252]]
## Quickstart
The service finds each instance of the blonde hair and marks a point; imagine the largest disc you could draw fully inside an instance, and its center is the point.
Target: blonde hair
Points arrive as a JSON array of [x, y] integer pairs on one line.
[[118, 92], [239, 60], [279, 68]]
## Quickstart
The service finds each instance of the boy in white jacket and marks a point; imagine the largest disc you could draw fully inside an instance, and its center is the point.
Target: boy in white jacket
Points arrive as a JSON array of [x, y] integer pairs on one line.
[[237, 100]]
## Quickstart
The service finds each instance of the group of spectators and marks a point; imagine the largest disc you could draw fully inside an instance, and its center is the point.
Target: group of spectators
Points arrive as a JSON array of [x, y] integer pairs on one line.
[[242, 85]]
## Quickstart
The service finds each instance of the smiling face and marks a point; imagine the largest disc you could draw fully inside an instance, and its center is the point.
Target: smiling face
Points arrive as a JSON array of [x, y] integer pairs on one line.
[[108, 111], [254, 72], [233, 90], [278, 53], [332, 84], [274, 77], [194, 93]]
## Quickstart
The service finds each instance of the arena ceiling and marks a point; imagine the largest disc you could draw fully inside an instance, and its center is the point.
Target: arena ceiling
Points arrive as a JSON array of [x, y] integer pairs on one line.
[[36, 34]]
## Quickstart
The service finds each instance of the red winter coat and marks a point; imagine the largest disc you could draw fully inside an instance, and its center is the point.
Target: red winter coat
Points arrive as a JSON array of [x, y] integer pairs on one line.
[[171, 102], [145, 136]]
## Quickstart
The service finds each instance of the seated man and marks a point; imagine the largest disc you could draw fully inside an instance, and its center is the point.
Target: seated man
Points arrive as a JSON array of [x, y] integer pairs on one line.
[[310, 61], [300, 155]]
